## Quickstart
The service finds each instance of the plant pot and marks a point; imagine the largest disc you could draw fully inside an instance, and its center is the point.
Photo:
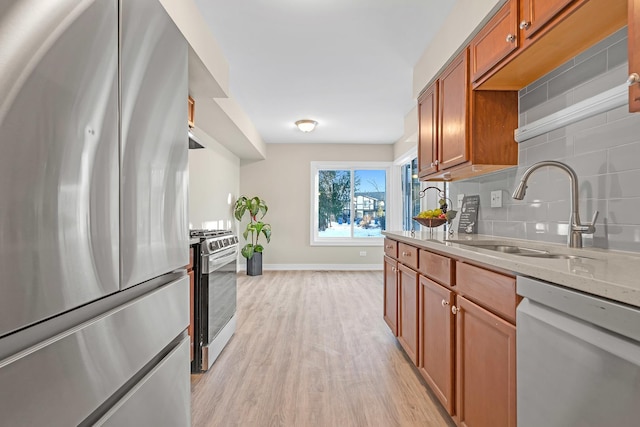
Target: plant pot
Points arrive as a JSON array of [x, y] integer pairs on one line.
[[254, 264]]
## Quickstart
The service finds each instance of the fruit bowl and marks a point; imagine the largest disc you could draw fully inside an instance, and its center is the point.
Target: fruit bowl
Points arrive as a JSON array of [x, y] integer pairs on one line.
[[430, 222]]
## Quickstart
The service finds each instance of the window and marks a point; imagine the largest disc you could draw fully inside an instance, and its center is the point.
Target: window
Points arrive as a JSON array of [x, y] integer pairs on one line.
[[349, 202], [410, 196]]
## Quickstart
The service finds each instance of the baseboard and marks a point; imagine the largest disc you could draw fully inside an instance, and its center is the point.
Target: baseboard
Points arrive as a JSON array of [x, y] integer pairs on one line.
[[319, 267]]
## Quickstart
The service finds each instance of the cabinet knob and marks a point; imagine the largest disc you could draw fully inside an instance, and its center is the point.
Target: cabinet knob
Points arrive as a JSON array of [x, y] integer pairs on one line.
[[633, 79], [436, 163], [432, 164], [445, 303], [454, 309], [511, 38], [524, 25], [393, 269]]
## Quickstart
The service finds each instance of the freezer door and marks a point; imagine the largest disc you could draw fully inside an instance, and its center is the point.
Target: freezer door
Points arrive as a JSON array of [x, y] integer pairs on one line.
[[161, 399], [154, 222], [71, 376], [58, 157]]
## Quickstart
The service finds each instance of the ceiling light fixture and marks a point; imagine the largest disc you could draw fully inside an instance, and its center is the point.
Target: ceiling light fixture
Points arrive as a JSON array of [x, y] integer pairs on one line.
[[306, 125]]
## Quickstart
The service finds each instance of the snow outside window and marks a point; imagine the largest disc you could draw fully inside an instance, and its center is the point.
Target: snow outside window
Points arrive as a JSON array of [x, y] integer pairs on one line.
[[349, 203]]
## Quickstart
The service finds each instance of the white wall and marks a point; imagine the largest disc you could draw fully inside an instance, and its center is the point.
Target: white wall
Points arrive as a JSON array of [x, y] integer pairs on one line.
[[214, 174], [283, 181]]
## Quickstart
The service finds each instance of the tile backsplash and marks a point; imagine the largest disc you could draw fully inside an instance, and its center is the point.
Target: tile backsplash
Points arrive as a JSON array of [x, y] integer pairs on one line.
[[604, 150]]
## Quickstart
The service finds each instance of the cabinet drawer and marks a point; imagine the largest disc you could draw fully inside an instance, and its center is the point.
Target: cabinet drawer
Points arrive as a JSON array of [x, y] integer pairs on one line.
[[391, 248], [494, 291], [436, 267], [408, 255]]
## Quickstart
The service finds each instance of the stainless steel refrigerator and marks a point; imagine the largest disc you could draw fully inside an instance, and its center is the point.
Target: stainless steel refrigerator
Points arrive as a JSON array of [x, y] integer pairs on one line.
[[94, 301]]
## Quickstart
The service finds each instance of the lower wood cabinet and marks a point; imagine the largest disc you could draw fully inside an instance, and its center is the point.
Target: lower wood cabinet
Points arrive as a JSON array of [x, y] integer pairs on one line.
[[459, 330], [391, 293], [485, 368], [408, 315], [436, 340]]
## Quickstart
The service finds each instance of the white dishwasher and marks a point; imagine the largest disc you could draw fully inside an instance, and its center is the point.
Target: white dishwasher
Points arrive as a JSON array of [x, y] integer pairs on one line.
[[578, 359]]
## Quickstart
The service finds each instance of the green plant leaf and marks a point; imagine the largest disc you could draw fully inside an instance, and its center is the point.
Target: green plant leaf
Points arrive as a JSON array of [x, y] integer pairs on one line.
[[248, 250], [266, 230], [254, 206], [240, 208], [258, 248]]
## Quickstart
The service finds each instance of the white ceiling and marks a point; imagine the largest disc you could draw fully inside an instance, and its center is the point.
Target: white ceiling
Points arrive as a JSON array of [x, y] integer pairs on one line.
[[345, 63]]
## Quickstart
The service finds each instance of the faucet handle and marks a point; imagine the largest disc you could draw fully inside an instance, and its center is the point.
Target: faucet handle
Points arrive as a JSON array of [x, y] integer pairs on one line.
[[591, 227], [586, 228]]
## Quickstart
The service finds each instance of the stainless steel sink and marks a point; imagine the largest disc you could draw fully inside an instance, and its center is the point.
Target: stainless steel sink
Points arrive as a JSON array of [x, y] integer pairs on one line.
[[510, 249], [556, 256], [517, 250]]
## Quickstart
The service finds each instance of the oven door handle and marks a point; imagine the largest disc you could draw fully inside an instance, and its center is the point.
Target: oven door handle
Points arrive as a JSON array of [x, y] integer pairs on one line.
[[215, 261]]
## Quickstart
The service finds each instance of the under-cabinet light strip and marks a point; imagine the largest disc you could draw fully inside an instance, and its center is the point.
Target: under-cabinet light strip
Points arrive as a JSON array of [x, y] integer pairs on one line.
[[597, 104]]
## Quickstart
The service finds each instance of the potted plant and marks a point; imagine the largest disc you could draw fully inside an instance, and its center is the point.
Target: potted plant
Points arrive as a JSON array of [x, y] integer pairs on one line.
[[252, 251]]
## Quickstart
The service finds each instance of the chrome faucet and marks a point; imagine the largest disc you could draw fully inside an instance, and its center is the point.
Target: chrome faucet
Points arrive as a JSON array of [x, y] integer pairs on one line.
[[577, 229]]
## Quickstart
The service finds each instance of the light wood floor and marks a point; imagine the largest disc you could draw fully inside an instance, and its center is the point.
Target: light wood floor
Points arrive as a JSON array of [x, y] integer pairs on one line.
[[311, 349]]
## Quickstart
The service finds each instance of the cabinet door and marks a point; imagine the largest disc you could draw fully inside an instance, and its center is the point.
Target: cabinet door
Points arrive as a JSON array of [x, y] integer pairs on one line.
[[428, 131], [436, 340], [495, 41], [408, 316], [391, 294], [537, 13], [634, 55], [486, 368], [453, 91]]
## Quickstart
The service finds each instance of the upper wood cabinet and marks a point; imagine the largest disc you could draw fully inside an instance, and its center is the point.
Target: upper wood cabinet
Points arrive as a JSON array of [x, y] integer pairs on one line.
[[472, 132], [192, 111], [497, 39], [537, 13], [634, 56], [452, 106], [549, 33], [427, 130]]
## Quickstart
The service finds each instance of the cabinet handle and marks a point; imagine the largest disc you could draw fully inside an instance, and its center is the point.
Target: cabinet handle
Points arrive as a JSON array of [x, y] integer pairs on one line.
[[393, 269], [389, 247], [445, 303], [454, 309], [511, 38], [406, 253], [524, 25], [633, 79], [432, 164], [436, 162]]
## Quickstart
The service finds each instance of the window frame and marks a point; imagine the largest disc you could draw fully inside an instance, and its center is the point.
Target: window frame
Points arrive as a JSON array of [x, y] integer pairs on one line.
[[316, 166]]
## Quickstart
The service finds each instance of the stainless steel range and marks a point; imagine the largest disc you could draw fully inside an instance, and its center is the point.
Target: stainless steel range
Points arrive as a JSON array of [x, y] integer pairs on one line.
[[214, 294]]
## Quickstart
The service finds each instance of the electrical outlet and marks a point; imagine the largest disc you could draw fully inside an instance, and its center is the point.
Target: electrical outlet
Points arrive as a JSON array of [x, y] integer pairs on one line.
[[363, 253], [460, 199], [496, 199]]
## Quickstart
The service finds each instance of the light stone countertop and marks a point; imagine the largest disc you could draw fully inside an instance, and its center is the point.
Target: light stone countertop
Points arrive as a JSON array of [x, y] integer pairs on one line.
[[610, 274]]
